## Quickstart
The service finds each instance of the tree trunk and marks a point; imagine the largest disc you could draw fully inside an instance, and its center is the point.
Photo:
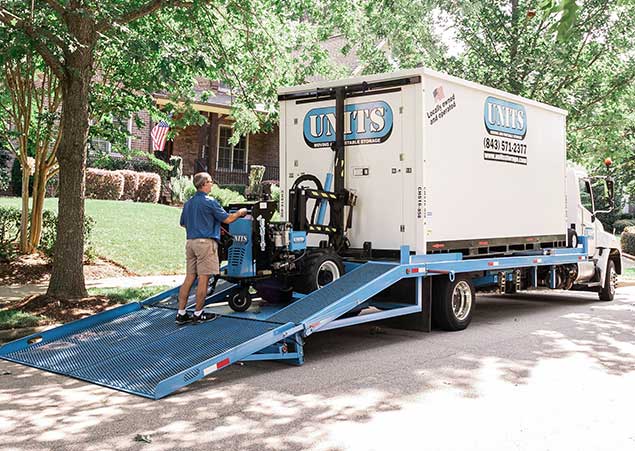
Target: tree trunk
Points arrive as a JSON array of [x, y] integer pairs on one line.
[[39, 193], [24, 217], [67, 278]]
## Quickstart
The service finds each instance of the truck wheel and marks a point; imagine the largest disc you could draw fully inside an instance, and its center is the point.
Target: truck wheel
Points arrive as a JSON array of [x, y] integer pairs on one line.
[[607, 293], [319, 269], [240, 301], [572, 238], [453, 303]]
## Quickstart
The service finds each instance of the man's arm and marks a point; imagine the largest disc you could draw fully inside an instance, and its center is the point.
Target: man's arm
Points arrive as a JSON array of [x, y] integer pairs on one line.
[[233, 216]]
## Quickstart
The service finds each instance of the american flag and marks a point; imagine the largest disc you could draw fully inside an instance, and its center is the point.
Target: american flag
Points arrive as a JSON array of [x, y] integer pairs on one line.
[[159, 134], [438, 94]]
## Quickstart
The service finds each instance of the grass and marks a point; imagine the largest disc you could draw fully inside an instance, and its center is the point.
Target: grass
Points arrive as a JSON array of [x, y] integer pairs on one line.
[[144, 238], [629, 273], [126, 295], [13, 319]]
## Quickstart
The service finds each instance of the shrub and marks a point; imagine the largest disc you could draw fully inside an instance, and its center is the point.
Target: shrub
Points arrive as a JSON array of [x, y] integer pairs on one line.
[[275, 193], [53, 186], [149, 187], [130, 184], [240, 189], [9, 231], [16, 179], [190, 190], [49, 234], [625, 216], [103, 184], [226, 196], [628, 240], [179, 187], [177, 166], [621, 224]]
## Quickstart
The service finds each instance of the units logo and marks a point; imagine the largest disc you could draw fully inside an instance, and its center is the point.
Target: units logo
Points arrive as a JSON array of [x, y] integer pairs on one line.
[[364, 123], [503, 118], [240, 238]]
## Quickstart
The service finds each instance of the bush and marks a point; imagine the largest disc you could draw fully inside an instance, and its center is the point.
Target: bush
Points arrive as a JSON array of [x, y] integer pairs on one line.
[[625, 216], [9, 231], [177, 166], [149, 187], [226, 196], [240, 189], [179, 187], [275, 193], [130, 184], [628, 240], [16, 179], [621, 224], [103, 184], [49, 234], [53, 186]]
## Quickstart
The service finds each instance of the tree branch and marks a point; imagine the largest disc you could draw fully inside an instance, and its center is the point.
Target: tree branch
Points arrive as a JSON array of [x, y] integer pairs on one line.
[[148, 8], [57, 6], [13, 21]]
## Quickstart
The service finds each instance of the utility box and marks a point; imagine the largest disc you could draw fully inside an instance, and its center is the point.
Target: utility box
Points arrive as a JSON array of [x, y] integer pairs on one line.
[[438, 163]]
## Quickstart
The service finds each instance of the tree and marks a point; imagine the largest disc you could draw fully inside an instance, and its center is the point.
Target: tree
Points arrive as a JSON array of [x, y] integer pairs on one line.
[[84, 43], [29, 120], [574, 55]]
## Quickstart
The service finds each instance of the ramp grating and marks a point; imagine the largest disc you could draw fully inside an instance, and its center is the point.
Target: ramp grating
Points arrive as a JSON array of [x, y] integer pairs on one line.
[[172, 302], [325, 296], [136, 351]]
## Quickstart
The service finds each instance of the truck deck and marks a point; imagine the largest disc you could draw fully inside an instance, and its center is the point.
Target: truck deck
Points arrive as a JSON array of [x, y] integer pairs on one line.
[[137, 348]]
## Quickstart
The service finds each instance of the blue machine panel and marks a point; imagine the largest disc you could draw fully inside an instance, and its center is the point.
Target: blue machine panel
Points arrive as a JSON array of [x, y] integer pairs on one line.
[[297, 241], [240, 261]]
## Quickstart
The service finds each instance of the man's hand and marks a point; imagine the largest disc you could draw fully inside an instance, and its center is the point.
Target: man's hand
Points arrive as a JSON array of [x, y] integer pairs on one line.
[[235, 215]]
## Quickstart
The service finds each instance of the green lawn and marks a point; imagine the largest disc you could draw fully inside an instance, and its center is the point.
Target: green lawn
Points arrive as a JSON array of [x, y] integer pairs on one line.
[[629, 273], [126, 295], [145, 238]]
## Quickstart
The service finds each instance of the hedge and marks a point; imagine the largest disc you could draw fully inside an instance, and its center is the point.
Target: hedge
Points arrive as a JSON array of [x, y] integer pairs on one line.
[[628, 240], [621, 224], [130, 184], [103, 184], [149, 187]]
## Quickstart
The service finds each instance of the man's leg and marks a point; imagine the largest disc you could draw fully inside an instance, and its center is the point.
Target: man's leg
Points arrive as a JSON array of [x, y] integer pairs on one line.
[[201, 291], [184, 291]]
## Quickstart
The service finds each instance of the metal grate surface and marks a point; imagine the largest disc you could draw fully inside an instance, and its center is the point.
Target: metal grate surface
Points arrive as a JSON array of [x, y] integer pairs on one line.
[[325, 296], [172, 302], [136, 351]]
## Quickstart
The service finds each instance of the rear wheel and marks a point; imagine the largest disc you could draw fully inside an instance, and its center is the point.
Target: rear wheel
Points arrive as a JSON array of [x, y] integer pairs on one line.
[[240, 301], [319, 269], [607, 293], [453, 303]]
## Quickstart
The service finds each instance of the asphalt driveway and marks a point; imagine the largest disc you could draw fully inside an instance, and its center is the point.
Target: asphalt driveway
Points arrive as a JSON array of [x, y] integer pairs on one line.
[[533, 372]]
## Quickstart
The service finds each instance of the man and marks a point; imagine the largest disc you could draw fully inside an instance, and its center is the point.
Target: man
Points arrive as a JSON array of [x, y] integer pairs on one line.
[[201, 217]]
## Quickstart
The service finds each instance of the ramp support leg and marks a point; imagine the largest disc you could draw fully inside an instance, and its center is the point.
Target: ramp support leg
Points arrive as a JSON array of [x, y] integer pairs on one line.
[[290, 350]]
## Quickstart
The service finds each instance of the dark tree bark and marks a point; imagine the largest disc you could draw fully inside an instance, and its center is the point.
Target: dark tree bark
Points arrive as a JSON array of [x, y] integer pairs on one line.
[[67, 280]]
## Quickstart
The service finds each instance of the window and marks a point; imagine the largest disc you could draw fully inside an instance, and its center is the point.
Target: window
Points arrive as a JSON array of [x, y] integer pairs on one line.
[[231, 157], [102, 146], [585, 195]]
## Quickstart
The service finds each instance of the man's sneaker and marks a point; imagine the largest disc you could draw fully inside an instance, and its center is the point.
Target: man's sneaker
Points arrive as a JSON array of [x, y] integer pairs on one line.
[[182, 319], [203, 317]]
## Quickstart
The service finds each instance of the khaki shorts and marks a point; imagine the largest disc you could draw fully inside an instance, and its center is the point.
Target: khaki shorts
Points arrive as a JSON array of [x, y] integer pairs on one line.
[[202, 256]]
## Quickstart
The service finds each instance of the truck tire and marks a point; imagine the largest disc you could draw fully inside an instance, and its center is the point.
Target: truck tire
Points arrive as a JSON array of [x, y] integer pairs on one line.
[[452, 303], [572, 238], [607, 292], [319, 268]]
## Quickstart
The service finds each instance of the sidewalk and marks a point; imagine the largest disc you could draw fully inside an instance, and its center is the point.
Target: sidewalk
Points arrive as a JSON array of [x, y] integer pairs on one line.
[[17, 292]]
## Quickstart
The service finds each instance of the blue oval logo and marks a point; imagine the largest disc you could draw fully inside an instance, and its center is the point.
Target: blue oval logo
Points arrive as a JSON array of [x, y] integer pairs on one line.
[[503, 118], [364, 123]]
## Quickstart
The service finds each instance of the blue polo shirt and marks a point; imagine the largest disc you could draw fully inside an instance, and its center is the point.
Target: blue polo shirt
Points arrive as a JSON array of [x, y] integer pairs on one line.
[[202, 216]]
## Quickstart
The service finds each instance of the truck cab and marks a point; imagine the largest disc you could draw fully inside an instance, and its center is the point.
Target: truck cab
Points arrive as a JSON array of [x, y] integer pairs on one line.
[[586, 197]]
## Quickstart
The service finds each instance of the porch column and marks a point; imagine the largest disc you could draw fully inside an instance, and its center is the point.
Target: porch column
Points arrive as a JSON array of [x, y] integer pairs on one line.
[[212, 139]]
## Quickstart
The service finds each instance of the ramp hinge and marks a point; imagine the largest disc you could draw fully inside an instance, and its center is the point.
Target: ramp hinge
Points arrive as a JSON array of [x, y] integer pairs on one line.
[[402, 228]]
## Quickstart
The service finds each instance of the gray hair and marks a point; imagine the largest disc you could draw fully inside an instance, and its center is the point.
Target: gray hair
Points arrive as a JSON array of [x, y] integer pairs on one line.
[[201, 179]]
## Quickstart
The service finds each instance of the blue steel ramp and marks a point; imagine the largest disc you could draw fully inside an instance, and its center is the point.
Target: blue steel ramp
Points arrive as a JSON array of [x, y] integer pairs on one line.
[[143, 351], [137, 348]]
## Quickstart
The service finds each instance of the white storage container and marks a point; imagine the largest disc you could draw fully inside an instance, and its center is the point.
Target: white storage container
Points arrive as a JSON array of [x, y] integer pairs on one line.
[[438, 163]]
